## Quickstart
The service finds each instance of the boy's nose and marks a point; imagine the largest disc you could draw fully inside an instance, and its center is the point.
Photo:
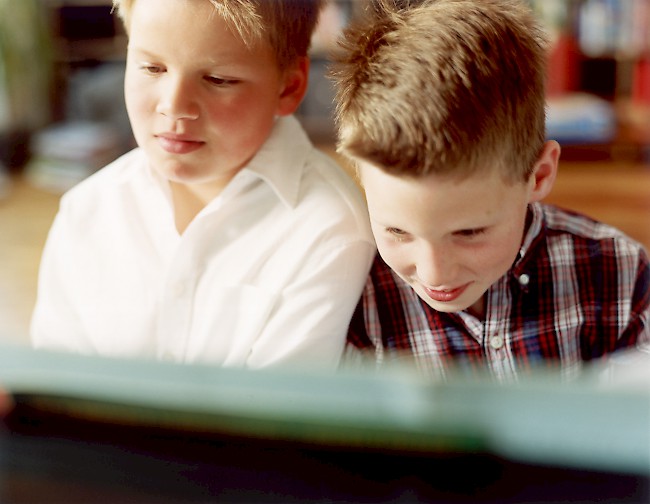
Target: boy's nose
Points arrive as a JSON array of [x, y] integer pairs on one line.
[[435, 266], [177, 100]]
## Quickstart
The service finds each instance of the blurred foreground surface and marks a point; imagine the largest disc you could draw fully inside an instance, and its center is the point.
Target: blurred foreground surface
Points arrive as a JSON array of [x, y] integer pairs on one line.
[[106, 430]]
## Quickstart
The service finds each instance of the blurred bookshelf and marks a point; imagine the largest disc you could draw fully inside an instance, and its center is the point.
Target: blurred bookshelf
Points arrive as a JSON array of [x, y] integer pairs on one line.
[[88, 121], [85, 35], [599, 77]]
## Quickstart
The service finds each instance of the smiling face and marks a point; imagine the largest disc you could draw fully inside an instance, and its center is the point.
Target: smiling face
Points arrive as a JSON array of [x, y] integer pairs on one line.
[[449, 239], [201, 103]]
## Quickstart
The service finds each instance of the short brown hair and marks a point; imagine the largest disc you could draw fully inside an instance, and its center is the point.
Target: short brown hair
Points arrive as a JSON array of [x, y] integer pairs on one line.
[[287, 24], [441, 86]]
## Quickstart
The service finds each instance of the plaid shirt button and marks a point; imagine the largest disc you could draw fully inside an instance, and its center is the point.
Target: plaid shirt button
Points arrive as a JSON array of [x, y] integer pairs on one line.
[[524, 280], [496, 342]]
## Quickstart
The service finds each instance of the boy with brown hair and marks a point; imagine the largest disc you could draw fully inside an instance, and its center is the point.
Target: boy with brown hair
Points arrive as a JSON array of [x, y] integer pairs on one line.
[[441, 105], [225, 237]]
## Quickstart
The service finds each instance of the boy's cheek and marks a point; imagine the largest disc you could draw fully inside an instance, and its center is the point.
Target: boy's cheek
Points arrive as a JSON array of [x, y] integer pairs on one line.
[[394, 256]]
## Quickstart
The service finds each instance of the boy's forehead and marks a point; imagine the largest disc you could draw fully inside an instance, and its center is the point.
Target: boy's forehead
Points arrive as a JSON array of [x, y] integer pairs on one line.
[[377, 173], [379, 181], [408, 198], [207, 27], [483, 169]]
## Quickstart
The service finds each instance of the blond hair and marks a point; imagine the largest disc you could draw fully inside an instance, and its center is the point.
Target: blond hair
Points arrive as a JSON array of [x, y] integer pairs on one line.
[[286, 24], [442, 86]]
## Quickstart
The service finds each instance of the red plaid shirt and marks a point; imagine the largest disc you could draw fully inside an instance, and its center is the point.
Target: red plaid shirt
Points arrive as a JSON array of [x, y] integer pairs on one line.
[[578, 290]]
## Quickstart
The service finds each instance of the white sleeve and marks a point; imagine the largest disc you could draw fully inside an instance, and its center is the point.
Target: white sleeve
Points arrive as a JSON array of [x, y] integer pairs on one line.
[[308, 326], [54, 324]]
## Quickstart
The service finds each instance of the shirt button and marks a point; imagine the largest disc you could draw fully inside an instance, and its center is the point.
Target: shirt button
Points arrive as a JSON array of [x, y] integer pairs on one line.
[[496, 342], [524, 279]]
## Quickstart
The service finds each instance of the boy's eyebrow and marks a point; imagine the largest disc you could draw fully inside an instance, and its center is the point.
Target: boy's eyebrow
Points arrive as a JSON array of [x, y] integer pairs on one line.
[[223, 58], [141, 50]]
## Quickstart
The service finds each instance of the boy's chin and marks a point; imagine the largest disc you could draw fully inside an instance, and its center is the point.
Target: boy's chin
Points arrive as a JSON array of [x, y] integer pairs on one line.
[[443, 307]]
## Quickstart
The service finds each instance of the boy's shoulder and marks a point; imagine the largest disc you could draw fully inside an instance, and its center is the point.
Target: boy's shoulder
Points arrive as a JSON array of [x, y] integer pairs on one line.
[[566, 221], [326, 173], [125, 167], [573, 232], [327, 190], [291, 162], [305, 177]]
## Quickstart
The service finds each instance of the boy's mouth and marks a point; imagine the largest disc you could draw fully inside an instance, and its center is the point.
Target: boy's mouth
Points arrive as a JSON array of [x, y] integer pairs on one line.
[[176, 144], [446, 295]]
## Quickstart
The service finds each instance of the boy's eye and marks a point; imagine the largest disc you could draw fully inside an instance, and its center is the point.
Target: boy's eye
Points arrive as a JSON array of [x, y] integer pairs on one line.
[[470, 233], [152, 69], [218, 81], [400, 233]]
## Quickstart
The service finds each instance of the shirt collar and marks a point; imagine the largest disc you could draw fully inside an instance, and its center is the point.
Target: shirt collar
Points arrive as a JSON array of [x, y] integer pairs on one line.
[[534, 226], [533, 236], [281, 160]]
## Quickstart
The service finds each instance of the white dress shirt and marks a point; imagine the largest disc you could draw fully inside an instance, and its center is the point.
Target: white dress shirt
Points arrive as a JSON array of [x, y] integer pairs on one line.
[[268, 273]]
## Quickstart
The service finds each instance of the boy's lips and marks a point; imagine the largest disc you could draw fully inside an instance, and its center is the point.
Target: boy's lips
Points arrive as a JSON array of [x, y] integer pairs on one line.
[[446, 295], [177, 144]]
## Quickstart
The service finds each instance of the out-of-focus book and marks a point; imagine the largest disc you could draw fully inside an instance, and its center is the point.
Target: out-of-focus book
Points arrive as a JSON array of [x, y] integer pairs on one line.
[[584, 422]]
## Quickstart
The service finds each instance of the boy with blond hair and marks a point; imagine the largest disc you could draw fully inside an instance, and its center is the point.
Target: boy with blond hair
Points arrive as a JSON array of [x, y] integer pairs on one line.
[[225, 236], [441, 106]]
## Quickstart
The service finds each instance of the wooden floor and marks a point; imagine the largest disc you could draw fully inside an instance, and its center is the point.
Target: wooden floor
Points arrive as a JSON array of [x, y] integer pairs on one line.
[[25, 216], [618, 194]]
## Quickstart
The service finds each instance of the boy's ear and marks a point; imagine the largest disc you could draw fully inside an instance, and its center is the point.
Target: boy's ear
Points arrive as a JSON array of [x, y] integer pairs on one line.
[[545, 171], [296, 78]]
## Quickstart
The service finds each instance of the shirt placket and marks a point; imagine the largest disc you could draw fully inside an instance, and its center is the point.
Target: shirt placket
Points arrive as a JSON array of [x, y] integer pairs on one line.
[[177, 305], [496, 337], [178, 298]]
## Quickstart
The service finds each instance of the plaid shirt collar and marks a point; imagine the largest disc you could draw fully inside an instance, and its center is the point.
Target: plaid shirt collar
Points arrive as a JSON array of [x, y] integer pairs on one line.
[[534, 239]]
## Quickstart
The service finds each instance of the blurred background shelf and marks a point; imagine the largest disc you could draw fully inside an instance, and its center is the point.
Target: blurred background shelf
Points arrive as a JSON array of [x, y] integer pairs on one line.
[[601, 49]]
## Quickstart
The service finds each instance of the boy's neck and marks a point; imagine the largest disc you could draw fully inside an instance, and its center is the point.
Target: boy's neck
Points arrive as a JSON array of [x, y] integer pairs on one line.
[[478, 308], [189, 200]]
